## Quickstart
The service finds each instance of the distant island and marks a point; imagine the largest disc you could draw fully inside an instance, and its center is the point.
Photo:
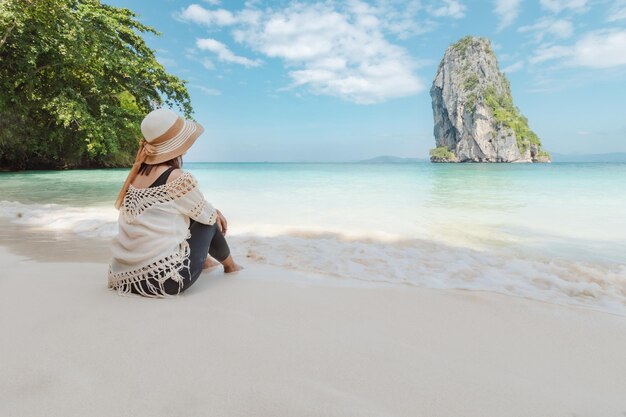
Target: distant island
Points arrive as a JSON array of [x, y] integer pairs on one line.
[[597, 157], [388, 159], [556, 157], [474, 115]]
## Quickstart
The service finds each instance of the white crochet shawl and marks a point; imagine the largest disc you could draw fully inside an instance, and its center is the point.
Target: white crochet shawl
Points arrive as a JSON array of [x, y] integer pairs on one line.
[[153, 232]]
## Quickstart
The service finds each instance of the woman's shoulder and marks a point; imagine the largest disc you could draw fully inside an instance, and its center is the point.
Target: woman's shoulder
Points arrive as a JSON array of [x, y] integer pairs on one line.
[[174, 175], [180, 183], [180, 176]]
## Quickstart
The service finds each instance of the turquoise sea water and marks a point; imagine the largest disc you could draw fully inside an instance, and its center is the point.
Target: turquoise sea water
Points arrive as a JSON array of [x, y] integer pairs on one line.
[[549, 231]]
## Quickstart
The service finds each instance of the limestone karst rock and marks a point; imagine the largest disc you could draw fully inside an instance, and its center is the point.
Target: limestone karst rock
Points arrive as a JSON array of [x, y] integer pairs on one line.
[[475, 118]]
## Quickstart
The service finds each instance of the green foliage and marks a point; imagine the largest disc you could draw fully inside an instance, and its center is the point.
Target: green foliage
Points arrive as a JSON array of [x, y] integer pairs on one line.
[[465, 42], [543, 154], [462, 44], [470, 86], [470, 102], [76, 78], [505, 113], [442, 152], [471, 81]]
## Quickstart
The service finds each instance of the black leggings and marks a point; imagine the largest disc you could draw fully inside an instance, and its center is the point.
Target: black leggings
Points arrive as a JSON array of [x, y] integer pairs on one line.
[[204, 239]]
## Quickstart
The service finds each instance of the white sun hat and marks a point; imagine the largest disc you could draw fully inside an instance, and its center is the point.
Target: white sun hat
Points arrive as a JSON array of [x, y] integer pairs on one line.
[[167, 135]]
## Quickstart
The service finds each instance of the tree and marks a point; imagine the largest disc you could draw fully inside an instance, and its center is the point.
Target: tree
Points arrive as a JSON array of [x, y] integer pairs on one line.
[[76, 79]]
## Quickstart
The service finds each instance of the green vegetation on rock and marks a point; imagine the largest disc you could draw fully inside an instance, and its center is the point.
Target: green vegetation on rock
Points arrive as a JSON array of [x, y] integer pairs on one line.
[[462, 44], [470, 85], [543, 154], [470, 102], [76, 78], [471, 81], [442, 153], [505, 113], [465, 42]]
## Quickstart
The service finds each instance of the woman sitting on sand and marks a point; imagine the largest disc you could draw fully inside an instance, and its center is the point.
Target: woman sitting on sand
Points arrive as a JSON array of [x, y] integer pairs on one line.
[[166, 227]]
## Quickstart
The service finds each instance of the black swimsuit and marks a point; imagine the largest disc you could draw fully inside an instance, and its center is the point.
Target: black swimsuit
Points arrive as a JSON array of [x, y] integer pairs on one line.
[[205, 239]]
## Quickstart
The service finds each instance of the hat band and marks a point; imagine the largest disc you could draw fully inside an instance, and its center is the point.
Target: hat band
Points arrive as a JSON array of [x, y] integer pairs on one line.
[[169, 133], [176, 141]]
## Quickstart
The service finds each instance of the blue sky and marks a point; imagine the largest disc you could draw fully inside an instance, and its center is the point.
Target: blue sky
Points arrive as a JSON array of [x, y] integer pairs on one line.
[[350, 80]]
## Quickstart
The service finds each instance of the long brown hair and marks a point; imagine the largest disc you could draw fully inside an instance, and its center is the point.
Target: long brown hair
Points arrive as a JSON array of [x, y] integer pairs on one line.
[[145, 169]]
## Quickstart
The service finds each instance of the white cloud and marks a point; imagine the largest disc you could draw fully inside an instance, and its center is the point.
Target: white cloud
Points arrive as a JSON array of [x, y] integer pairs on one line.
[[400, 18], [559, 28], [516, 66], [599, 49], [198, 14], [206, 90], [217, 17], [449, 8], [223, 53], [334, 53], [617, 11], [550, 52], [507, 11], [337, 49], [557, 6], [213, 2]]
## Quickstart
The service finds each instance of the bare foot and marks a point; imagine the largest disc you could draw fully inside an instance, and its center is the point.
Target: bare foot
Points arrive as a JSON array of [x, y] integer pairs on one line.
[[234, 268], [209, 263], [230, 265]]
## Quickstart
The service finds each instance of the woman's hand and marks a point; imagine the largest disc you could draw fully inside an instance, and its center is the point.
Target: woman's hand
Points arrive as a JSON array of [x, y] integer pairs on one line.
[[222, 224]]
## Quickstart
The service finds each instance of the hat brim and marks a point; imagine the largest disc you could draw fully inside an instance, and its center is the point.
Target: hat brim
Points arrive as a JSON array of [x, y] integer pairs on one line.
[[190, 132]]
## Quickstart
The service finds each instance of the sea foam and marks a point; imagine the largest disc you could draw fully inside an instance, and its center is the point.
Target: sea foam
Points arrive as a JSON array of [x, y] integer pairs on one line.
[[378, 257], [94, 221]]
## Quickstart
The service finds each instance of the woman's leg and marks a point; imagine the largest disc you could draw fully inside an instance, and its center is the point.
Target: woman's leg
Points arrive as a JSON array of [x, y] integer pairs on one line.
[[219, 250], [199, 242], [205, 240]]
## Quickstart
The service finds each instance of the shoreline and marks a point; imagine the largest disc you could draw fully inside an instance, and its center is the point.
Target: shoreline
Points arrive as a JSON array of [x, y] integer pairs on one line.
[[363, 261], [269, 341]]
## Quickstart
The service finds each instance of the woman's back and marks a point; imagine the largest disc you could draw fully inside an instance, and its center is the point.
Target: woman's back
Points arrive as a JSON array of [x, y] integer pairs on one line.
[[150, 179], [159, 250], [154, 226]]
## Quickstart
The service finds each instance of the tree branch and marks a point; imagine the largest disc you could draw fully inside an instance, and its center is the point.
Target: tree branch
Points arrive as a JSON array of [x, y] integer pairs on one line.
[[6, 35]]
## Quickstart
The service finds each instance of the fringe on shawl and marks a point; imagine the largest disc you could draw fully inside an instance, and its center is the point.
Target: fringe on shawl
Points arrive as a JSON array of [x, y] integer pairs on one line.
[[159, 271]]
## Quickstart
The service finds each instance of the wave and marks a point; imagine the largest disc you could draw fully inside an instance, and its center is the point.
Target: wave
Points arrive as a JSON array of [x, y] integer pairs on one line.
[[96, 222], [382, 258], [598, 286]]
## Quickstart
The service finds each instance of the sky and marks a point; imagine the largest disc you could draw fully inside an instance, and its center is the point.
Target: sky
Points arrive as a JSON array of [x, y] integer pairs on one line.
[[326, 81]]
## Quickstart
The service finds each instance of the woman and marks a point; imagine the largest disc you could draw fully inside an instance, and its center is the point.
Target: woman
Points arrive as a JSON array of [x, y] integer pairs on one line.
[[166, 227]]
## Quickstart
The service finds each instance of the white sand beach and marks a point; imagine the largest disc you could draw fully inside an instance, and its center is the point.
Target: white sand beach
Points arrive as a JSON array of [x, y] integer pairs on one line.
[[272, 342], [426, 197]]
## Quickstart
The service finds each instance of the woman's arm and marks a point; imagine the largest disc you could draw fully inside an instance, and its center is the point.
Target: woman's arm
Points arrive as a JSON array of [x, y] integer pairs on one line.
[[221, 222], [190, 201]]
